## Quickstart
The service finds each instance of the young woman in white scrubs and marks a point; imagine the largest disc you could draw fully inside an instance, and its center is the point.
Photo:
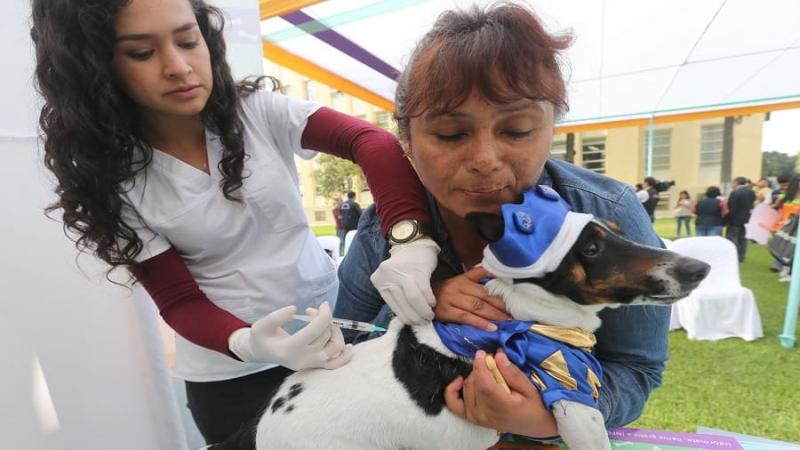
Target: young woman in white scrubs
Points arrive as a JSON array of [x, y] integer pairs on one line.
[[168, 167]]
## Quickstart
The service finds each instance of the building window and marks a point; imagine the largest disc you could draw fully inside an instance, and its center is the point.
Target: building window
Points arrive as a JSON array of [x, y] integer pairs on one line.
[[661, 156], [711, 152], [559, 150], [594, 154], [311, 89], [382, 119], [662, 147], [320, 216]]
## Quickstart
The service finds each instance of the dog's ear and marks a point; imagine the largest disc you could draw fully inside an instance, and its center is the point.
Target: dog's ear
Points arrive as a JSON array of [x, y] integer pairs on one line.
[[489, 226]]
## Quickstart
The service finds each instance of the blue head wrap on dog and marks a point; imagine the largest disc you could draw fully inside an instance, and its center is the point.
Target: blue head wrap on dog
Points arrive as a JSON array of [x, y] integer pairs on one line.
[[538, 234]]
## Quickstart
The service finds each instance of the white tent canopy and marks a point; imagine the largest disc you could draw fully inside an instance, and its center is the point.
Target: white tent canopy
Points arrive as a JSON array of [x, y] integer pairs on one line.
[[630, 58]]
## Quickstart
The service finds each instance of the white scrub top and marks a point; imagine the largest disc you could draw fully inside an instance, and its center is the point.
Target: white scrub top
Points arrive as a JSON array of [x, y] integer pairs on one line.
[[249, 258]]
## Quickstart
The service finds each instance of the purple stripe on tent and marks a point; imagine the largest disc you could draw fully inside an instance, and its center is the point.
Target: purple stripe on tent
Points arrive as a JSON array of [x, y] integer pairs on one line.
[[343, 44]]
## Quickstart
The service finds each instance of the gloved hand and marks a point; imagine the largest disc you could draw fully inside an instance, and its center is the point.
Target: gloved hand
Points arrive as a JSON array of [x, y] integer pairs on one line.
[[318, 344], [404, 280]]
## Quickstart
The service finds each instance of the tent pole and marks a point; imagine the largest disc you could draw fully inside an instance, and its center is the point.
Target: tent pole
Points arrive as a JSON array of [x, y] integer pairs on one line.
[[790, 323], [649, 165]]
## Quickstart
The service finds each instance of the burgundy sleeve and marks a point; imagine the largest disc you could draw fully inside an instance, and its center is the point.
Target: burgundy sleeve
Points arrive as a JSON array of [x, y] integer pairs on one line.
[[397, 191], [183, 305]]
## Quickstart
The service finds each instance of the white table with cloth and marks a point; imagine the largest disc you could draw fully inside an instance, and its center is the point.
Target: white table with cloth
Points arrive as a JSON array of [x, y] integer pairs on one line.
[[720, 307]]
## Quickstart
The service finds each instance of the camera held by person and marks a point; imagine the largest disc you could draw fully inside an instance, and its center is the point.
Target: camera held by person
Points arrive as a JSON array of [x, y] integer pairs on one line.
[[664, 185]]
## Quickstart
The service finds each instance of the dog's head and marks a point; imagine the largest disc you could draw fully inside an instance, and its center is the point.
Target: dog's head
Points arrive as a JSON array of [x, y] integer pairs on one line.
[[595, 265]]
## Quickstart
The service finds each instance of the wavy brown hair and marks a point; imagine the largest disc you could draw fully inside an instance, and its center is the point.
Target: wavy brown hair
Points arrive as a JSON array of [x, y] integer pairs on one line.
[[91, 136], [502, 51]]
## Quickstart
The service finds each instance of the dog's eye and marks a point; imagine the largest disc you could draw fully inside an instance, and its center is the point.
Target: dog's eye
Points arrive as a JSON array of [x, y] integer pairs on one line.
[[591, 249]]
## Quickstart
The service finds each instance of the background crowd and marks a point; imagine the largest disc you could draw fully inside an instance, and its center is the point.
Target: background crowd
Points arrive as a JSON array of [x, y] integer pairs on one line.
[[732, 215]]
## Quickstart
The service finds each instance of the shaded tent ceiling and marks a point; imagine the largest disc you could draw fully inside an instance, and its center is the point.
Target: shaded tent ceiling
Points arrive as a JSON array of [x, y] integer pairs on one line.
[[631, 59]]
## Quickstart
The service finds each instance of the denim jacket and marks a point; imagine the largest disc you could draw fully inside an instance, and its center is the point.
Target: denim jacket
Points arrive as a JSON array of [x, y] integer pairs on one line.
[[632, 341]]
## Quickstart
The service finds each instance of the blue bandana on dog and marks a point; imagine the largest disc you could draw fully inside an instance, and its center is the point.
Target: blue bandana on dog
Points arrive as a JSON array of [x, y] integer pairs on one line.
[[538, 234]]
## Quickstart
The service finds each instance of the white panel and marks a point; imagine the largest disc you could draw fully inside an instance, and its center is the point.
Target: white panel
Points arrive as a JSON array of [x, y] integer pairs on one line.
[[20, 108], [242, 37], [583, 19], [710, 83], [102, 380], [584, 101], [104, 368], [639, 35], [778, 79], [634, 94], [745, 26]]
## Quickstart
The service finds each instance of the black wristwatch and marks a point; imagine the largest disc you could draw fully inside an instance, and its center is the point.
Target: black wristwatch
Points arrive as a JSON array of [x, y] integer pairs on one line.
[[406, 231]]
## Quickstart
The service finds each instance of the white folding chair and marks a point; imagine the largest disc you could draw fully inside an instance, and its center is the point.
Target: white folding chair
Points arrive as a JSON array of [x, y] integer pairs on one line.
[[348, 239], [720, 307], [331, 246]]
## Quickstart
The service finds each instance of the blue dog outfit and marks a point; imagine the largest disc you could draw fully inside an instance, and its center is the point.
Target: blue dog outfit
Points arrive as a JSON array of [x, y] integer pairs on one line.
[[538, 234]]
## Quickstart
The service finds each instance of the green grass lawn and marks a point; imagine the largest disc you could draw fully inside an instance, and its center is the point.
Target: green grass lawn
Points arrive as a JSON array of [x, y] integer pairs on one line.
[[324, 230], [746, 387]]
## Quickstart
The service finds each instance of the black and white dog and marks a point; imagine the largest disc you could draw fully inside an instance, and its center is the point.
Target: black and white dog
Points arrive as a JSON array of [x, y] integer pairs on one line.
[[553, 267]]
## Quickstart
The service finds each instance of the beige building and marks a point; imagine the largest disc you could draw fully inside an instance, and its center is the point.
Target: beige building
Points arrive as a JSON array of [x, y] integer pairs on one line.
[[691, 153]]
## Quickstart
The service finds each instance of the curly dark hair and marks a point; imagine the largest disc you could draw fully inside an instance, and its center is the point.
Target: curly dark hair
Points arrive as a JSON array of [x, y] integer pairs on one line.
[[91, 136]]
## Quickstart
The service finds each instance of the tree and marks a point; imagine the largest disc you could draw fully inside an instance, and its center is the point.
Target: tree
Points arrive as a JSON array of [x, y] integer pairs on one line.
[[776, 163], [336, 176]]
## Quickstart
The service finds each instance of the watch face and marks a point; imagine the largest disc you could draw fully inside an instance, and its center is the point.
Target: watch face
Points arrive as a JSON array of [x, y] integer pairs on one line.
[[403, 230]]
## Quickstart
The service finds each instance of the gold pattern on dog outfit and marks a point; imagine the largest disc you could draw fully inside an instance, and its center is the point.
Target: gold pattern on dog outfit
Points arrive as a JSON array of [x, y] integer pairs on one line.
[[574, 336], [556, 366], [594, 382], [537, 381]]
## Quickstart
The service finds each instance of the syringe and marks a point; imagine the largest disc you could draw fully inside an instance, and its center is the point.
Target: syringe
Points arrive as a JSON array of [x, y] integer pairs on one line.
[[345, 323]]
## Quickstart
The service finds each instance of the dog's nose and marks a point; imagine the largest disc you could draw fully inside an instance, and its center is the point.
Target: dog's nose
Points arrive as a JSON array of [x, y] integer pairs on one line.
[[691, 271]]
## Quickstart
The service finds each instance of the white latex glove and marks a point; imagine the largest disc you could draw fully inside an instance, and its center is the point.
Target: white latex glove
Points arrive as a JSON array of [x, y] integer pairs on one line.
[[318, 344], [404, 280]]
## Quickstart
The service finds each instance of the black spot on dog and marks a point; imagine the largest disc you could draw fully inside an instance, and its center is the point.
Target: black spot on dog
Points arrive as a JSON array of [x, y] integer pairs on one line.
[[295, 390], [288, 409], [277, 404], [245, 437], [424, 372]]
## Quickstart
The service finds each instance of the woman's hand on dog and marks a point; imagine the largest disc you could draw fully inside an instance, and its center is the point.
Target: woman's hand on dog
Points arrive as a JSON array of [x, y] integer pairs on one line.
[[484, 402], [462, 299]]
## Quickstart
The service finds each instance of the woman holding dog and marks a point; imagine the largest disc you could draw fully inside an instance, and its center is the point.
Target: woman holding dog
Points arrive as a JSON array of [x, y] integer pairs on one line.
[[476, 108], [168, 167]]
